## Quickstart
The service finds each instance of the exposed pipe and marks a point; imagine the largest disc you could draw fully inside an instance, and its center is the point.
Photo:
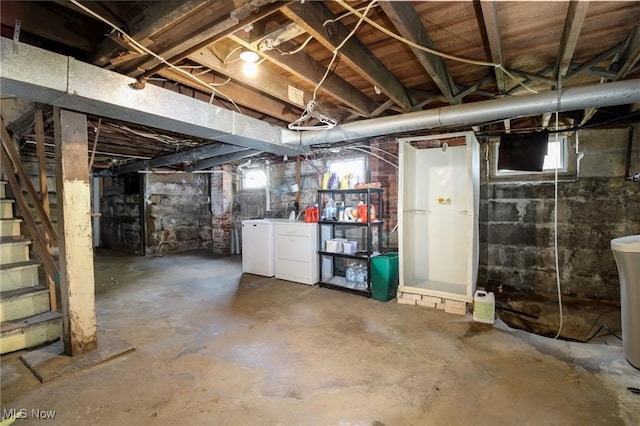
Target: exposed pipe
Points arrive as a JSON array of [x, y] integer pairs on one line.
[[576, 98]]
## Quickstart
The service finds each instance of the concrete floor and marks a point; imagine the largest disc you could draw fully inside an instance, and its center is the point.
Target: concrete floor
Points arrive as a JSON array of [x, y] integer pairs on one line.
[[214, 346]]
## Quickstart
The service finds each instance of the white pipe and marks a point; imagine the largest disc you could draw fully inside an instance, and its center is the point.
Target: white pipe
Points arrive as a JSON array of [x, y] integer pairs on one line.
[[576, 98], [243, 165]]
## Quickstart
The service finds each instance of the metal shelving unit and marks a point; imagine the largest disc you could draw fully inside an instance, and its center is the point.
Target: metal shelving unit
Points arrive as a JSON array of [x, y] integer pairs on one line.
[[331, 264]]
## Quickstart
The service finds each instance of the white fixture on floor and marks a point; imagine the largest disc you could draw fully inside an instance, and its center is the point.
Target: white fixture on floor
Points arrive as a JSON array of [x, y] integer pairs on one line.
[[626, 251]]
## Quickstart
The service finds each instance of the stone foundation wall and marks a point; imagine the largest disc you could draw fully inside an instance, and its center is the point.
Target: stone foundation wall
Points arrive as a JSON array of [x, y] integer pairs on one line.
[[120, 215], [517, 226], [178, 212]]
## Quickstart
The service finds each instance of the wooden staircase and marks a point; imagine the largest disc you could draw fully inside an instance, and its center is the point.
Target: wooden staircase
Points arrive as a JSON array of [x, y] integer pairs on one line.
[[26, 319]]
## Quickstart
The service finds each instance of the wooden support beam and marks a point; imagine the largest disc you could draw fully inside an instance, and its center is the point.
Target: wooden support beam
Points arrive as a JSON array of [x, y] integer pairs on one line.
[[220, 32], [158, 16], [573, 23], [266, 81], [304, 66], [79, 328], [200, 37], [44, 198], [586, 66], [222, 159], [622, 63], [492, 28], [241, 96], [195, 154], [404, 17], [312, 15]]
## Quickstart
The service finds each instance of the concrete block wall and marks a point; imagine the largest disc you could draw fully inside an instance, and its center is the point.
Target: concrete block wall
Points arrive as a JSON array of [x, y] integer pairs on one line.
[[517, 231], [178, 212]]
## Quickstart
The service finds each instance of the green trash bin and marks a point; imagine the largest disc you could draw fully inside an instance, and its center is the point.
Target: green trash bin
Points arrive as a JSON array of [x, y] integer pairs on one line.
[[384, 276]]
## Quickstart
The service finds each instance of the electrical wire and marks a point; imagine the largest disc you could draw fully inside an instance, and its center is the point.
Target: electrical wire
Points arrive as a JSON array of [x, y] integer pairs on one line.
[[149, 52], [337, 49], [555, 231], [371, 154], [95, 144], [376, 148], [432, 51], [302, 46]]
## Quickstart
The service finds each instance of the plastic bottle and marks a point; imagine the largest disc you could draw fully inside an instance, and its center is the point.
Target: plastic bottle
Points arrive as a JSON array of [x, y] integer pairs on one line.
[[351, 276], [325, 181], [361, 277], [330, 210], [341, 212], [333, 181]]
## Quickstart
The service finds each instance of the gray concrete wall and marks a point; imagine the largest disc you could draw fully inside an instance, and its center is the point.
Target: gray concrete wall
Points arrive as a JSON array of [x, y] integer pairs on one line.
[[517, 226]]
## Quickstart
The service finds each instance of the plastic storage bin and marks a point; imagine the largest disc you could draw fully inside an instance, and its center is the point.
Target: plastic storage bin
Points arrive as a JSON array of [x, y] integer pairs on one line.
[[384, 277]]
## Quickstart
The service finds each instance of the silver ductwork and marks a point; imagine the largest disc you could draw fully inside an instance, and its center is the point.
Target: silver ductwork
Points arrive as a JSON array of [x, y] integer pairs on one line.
[[597, 96], [32, 73]]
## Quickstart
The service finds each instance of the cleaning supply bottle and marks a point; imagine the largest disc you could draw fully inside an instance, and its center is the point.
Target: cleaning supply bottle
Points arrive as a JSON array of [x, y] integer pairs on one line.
[[341, 212], [325, 180]]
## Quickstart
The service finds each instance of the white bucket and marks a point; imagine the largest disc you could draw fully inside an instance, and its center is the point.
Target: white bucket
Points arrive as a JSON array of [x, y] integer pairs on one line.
[[484, 307]]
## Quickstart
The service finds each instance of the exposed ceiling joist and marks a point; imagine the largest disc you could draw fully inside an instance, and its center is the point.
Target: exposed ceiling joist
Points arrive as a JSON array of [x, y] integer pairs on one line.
[[266, 81], [622, 62], [576, 14], [586, 66], [190, 156], [404, 17], [222, 159], [240, 95], [205, 35], [312, 15], [62, 81], [157, 17], [492, 28], [304, 66], [198, 47]]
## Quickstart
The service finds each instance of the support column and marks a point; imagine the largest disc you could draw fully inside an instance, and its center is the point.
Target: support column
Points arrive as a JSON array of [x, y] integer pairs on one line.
[[79, 329]]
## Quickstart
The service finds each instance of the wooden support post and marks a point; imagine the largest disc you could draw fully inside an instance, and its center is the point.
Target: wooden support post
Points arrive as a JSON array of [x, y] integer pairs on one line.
[[79, 329], [44, 198]]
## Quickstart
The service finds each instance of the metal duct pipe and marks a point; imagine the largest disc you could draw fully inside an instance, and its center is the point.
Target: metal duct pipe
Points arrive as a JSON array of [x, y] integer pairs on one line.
[[601, 95]]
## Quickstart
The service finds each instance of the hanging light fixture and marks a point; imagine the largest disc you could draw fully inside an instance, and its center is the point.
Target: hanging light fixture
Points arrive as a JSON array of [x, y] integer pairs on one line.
[[250, 66]]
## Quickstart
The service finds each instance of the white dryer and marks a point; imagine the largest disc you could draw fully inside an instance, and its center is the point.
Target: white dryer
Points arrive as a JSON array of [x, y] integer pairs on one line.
[[258, 247]]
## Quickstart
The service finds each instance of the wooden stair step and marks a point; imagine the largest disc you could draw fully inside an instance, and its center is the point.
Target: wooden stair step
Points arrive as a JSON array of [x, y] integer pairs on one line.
[[19, 275], [10, 227], [23, 302], [6, 208], [14, 249], [29, 332]]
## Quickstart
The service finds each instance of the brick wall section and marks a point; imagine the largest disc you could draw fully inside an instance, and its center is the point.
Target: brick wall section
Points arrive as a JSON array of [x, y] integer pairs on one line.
[[178, 212], [387, 174]]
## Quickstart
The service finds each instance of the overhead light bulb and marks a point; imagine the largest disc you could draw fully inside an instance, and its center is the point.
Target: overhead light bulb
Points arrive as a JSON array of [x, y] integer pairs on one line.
[[249, 56], [250, 69]]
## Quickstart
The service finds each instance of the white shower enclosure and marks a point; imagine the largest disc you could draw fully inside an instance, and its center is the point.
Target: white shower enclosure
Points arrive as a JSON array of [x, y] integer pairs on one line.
[[438, 201]]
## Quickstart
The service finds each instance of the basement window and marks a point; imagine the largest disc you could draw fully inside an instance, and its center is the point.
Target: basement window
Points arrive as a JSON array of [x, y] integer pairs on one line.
[[254, 179], [353, 166], [557, 153]]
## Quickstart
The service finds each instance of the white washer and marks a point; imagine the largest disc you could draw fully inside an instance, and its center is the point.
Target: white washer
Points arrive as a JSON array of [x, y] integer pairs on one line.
[[258, 247]]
